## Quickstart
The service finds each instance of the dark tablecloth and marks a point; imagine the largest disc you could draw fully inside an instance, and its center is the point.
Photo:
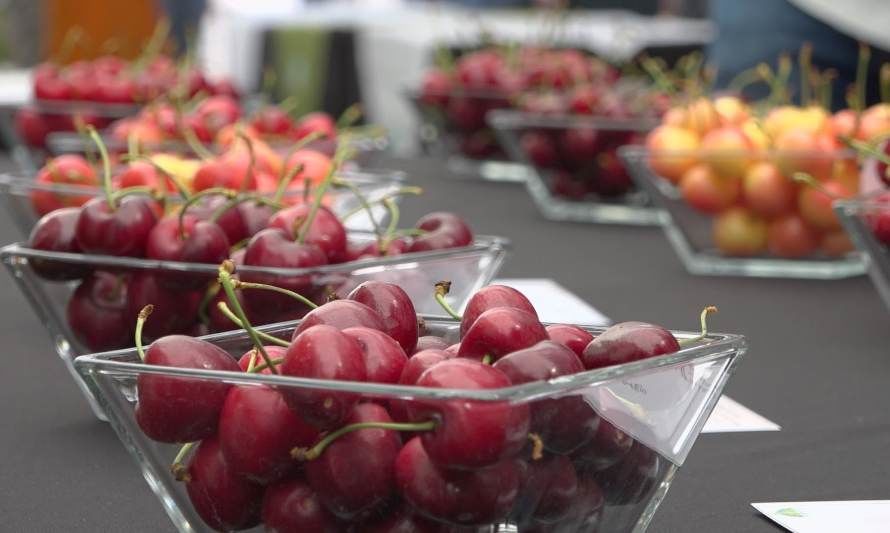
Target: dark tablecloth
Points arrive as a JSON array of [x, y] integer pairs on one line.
[[819, 365]]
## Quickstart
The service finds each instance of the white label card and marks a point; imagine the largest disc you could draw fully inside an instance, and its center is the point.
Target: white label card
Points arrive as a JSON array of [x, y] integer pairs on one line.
[[864, 516], [555, 303], [730, 416]]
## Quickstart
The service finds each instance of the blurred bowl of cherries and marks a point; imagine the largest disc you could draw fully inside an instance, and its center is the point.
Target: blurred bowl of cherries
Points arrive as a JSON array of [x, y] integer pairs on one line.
[[361, 417], [454, 99], [867, 220]]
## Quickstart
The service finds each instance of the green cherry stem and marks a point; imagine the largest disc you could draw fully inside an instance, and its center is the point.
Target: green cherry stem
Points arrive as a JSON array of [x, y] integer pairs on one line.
[[308, 454], [285, 181], [349, 116], [810, 181], [704, 327], [393, 225], [867, 149], [363, 202], [209, 295], [297, 146], [236, 199], [399, 192], [224, 309], [238, 284], [197, 197], [195, 144], [179, 470], [225, 280], [442, 290], [251, 154], [339, 157], [140, 323], [262, 366], [106, 166]]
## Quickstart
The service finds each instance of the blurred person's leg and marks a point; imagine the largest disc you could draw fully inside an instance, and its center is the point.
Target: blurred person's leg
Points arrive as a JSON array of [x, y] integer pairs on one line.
[[184, 17]]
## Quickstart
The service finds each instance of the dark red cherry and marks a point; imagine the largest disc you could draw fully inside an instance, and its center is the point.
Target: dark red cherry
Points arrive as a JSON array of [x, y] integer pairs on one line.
[[573, 337], [326, 232], [416, 365], [585, 99], [467, 497], [355, 473], [469, 434], [257, 431], [627, 342], [223, 499], [291, 506], [122, 231], [384, 359], [341, 314], [97, 312], [490, 297], [580, 145], [176, 409], [633, 478], [272, 120], [31, 126], [499, 331], [194, 241], [608, 446], [323, 352], [435, 88], [430, 342], [54, 232], [394, 306], [585, 514], [539, 149], [274, 248], [443, 230], [175, 311], [549, 490], [612, 179], [564, 423]]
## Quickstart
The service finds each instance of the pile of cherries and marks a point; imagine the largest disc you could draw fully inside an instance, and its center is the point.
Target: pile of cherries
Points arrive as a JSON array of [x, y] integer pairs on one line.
[[208, 227], [324, 459], [106, 80]]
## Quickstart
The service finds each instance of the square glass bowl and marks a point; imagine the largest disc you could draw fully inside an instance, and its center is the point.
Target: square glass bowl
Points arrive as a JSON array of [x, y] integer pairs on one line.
[[575, 173], [867, 221], [468, 268], [26, 200], [690, 233], [623, 431], [454, 128]]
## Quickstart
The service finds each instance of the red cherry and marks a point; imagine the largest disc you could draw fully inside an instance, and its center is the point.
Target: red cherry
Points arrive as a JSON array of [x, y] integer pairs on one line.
[[257, 431], [224, 500], [499, 331], [175, 311], [549, 490], [443, 230], [580, 145], [122, 231], [470, 434], [570, 336], [633, 478], [355, 473], [317, 122], [326, 232], [143, 174], [72, 170], [540, 149], [627, 342], [272, 120], [416, 365], [274, 352], [97, 312], [54, 232], [435, 88], [467, 497], [31, 126], [323, 352], [341, 314], [194, 241], [384, 359], [173, 409], [291, 506], [490, 297], [608, 446], [394, 306], [217, 112]]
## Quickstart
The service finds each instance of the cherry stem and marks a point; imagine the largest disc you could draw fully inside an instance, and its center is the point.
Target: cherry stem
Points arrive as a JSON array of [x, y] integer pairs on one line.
[[486, 359], [73, 37], [209, 295], [308, 454], [238, 284], [106, 165], [299, 145], [704, 327], [132, 146], [225, 280], [365, 205], [179, 470], [251, 161], [339, 157], [285, 182], [180, 187], [806, 179], [442, 290], [252, 361], [393, 225], [262, 366], [154, 45], [195, 144], [868, 149], [197, 197], [537, 446], [140, 323], [235, 199], [349, 116], [224, 309], [394, 194]]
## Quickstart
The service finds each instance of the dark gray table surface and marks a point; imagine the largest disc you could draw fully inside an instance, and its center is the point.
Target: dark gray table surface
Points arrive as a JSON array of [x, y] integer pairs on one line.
[[819, 365]]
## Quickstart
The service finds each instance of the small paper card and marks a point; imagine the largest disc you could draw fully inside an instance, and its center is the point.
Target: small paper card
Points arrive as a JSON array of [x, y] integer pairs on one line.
[[555, 303], [730, 416], [864, 516]]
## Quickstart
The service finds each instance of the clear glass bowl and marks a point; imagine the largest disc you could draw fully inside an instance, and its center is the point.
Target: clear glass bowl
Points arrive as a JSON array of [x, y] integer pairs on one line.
[[630, 207], [471, 151], [660, 403], [27, 200], [468, 268], [859, 217], [690, 234]]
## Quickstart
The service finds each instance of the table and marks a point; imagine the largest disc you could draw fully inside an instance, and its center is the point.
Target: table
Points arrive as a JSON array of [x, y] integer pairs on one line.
[[818, 365]]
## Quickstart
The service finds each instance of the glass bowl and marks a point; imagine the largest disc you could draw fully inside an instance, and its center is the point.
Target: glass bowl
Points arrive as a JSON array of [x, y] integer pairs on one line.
[[860, 218], [654, 408], [468, 268], [690, 232], [471, 149], [26, 200], [544, 143]]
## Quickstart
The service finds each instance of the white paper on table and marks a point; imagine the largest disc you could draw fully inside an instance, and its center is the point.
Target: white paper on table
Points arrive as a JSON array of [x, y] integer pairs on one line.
[[555, 303], [864, 516], [730, 416]]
